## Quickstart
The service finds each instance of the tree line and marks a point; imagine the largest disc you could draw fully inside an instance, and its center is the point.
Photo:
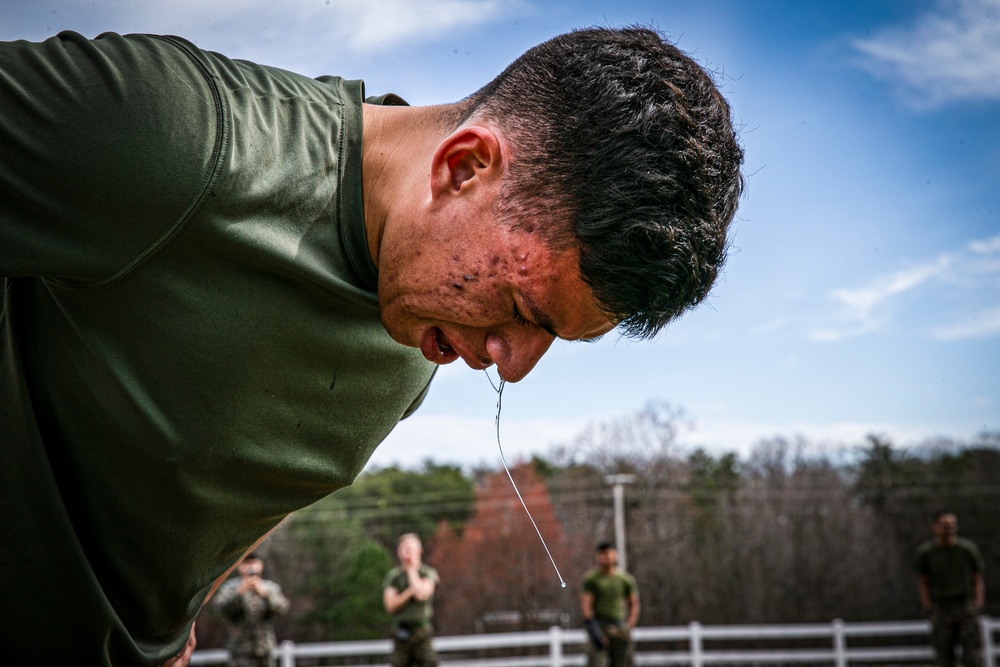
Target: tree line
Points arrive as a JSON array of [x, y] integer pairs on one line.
[[790, 532]]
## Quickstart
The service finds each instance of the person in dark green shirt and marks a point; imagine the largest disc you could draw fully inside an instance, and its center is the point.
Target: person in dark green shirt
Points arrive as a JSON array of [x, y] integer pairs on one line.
[[225, 283], [408, 595], [950, 584], [609, 600]]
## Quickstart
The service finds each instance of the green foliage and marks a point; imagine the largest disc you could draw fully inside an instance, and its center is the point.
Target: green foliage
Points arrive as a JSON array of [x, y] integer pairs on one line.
[[335, 553], [786, 534], [347, 603], [710, 477], [392, 501]]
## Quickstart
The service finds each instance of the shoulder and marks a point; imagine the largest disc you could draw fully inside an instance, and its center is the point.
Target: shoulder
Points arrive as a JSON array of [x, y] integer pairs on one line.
[[589, 577], [227, 591], [968, 546], [146, 131], [428, 572], [390, 578]]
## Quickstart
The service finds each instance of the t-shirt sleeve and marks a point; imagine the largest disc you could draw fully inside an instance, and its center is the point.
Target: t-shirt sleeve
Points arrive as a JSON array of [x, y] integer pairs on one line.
[[979, 565], [106, 146], [389, 580]]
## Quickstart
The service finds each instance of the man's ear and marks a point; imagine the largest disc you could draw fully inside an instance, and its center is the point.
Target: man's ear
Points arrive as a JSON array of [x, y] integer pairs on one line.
[[469, 155]]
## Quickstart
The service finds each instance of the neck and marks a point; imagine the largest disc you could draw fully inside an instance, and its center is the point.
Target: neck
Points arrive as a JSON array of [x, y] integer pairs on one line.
[[397, 146]]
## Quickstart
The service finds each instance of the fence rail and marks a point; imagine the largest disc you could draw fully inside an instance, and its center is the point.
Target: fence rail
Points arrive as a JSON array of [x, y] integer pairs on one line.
[[566, 648]]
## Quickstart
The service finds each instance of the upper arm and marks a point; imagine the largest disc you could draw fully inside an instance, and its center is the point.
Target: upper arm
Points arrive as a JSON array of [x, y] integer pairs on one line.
[[389, 595], [105, 146], [587, 603]]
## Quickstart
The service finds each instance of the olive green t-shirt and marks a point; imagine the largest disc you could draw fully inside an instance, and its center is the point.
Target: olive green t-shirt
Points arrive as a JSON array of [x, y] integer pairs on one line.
[[949, 569], [190, 343], [610, 592], [416, 612]]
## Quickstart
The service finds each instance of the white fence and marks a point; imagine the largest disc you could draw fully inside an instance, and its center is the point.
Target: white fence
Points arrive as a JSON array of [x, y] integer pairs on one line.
[[838, 644]]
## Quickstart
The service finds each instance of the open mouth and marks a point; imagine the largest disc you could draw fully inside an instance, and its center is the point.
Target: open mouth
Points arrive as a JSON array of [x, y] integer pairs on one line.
[[435, 347]]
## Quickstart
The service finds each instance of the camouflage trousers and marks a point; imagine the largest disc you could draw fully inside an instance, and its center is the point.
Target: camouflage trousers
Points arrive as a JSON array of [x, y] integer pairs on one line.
[[412, 648], [953, 625], [618, 653]]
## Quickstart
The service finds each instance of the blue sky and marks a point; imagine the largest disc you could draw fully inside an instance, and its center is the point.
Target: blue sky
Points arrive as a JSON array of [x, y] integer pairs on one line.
[[863, 288]]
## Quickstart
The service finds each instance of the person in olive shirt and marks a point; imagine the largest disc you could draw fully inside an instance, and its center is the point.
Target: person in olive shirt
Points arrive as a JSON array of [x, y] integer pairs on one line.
[[609, 600], [408, 595], [225, 283], [950, 585]]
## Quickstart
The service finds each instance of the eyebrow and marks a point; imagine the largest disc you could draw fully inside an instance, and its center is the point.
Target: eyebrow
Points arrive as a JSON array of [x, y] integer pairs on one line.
[[545, 323]]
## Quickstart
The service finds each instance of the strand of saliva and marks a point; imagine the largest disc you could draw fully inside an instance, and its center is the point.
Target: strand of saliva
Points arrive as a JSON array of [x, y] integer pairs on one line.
[[499, 390]]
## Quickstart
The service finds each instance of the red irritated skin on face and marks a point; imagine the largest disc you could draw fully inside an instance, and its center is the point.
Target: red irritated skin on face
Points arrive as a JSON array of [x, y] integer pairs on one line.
[[501, 298], [456, 278]]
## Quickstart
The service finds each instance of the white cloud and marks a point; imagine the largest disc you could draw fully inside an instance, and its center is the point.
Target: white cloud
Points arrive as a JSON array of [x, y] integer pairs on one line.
[[864, 300], [771, 326], [472, 442], [839, 334], [362, 26], [951, 53], [377, 24], [980, 325], [969, 306], [987, 247]]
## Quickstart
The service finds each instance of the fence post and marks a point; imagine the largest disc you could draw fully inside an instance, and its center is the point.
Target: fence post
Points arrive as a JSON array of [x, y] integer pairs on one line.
[[286, 653], [986, 632], [839, 644], [695, 629], [555, 646]]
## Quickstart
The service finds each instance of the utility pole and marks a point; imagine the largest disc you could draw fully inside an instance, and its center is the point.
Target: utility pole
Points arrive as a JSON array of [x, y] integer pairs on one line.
[[618, 483]]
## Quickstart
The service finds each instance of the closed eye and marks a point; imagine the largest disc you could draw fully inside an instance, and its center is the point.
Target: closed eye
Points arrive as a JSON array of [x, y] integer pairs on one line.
[[519, 318]]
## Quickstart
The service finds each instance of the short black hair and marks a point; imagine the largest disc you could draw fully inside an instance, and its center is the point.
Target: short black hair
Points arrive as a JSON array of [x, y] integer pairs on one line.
[[604, 545], [622, 146], [938, 513]]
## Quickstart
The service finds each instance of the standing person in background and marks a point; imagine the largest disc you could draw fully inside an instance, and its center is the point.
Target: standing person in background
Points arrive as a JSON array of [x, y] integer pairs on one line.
[[248, 603], [408, 594], [950, 583], [604, 592]]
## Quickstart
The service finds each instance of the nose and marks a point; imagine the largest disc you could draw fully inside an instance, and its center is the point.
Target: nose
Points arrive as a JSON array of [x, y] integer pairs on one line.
[[516, 352]]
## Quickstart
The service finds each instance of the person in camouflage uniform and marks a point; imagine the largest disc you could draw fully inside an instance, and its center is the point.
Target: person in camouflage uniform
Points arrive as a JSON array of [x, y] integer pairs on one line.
[[950, 584], [408, 594], [248, 603], [604, 592]]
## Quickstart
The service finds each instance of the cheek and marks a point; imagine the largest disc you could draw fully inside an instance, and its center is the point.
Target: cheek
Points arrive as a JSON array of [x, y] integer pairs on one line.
[[471, 295]]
